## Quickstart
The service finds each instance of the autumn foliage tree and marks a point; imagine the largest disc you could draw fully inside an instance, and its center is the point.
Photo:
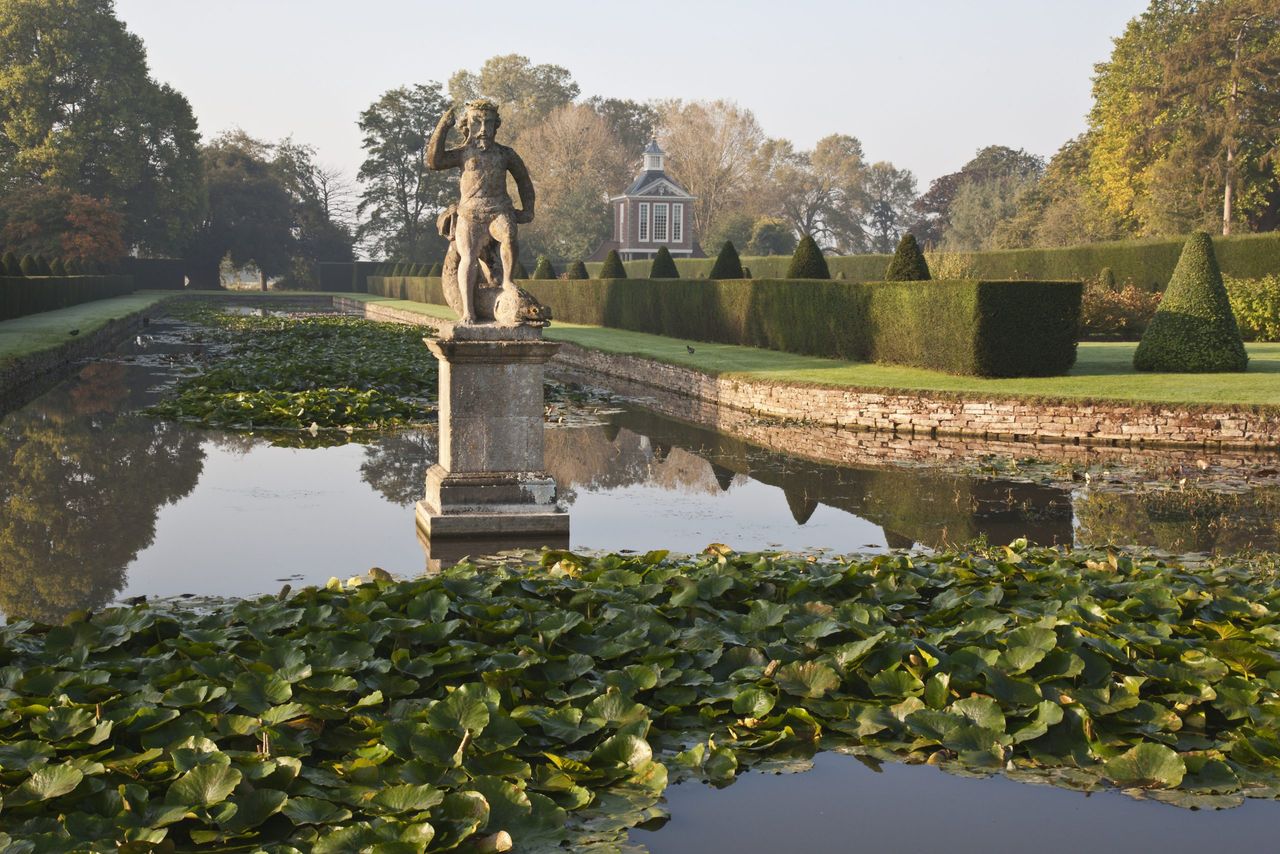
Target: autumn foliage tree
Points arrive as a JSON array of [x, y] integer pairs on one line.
[[58, 223]]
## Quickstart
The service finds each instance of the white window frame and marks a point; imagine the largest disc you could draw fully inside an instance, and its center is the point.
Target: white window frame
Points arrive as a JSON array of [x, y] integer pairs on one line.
[[622, 223], [677, 222], [665, 237], [643, 231]]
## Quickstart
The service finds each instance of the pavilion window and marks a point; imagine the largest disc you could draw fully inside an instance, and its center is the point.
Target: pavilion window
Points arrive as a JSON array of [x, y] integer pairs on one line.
[[660, 234], [643, 223]]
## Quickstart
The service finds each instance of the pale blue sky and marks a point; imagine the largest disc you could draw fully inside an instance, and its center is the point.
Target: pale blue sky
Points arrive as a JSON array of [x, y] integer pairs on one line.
[[923, 84]]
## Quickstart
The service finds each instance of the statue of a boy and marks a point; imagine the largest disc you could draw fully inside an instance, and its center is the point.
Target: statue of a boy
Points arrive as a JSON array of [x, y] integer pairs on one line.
[[485, 212]]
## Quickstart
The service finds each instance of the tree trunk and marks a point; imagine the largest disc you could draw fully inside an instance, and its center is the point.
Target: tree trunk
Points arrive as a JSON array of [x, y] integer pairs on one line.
[[262, 277], [1226, 193]]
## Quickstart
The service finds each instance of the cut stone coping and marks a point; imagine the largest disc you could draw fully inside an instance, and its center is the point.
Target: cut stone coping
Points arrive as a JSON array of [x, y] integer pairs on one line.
[[923, 414]]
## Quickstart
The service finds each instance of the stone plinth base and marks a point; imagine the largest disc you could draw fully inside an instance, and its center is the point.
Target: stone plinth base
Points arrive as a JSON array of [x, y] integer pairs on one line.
[[491, 479], [441, 553]]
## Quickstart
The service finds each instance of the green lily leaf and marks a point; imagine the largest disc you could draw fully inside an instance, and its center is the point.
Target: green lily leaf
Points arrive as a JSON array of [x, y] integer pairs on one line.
[[1146, 766], [203, 786], [807, 679]]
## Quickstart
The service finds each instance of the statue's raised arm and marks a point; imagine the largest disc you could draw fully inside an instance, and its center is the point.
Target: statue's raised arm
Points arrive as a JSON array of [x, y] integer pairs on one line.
[[439, 157], [484, 217]]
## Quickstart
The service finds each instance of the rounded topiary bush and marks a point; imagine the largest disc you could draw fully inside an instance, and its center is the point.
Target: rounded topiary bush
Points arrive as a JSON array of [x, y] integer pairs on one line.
[[43, 264], [1107, 278], [28, 266], [908, 264], [728, 265], [436, 270], [1194, 329], [72, 267], [577, 270], [9, 265], [664, 266], [613, 268], [57, 268], [543, 269], [807, 261]]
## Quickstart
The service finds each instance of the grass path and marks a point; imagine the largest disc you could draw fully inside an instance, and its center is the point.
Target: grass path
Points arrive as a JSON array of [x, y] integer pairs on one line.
[[1103, 371]]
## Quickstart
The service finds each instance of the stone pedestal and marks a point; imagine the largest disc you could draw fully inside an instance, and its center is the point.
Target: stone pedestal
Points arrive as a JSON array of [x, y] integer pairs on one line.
[[490, 481]]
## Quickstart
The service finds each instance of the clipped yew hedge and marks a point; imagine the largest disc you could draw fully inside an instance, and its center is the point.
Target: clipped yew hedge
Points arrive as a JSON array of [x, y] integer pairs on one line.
[[417, 288], [980, 328], [23, 295], [347, 276], [1148, 263]]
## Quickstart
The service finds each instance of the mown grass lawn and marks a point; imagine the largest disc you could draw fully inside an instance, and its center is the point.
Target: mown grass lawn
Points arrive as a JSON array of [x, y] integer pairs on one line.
[[1103, 371]]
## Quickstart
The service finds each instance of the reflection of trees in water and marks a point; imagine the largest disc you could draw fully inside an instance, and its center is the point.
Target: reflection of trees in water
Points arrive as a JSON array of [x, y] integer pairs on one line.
[[397, 465], [80, 487], [610, 456], [1194, 520], [912, 505]]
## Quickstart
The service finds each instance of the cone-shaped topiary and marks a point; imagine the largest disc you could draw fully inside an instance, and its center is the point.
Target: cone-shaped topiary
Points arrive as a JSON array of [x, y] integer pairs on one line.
[[437, 270], [613, 268], [73, 267], [908, 264], [807, 261], [43, 264], [29, 266], [1193, 330], [1107, 278], [544, 270], [664, 267], [519, 272], [577, 270], [57, 268], [9, 265], [727, 265]]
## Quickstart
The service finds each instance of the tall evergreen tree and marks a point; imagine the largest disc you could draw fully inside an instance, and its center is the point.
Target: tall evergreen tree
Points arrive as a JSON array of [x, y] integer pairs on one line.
[[1194, 329], [807, 261], [908, 264], [664, 266], [728, 265]]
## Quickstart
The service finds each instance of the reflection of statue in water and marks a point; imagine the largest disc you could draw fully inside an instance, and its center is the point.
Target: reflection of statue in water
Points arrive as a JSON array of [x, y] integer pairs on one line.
[[484, 220]]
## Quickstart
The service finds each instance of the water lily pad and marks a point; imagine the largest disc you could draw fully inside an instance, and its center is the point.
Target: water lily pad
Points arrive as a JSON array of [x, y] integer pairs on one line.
[[1146, 766]]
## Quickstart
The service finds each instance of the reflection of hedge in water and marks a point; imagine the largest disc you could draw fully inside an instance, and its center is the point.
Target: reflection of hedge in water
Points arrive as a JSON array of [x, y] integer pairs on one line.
[[1183, 521], [80, 487], [913, 505]]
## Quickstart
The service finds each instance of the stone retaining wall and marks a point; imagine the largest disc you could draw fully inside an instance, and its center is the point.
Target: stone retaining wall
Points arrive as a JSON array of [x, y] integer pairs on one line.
[[924, 414], [27, 377]]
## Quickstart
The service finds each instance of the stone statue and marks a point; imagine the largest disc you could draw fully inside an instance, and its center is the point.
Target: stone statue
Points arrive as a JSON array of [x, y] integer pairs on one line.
[[484, 222]]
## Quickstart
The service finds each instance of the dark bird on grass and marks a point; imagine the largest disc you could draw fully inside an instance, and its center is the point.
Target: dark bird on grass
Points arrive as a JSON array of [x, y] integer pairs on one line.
[[74, 332], [690, 349]]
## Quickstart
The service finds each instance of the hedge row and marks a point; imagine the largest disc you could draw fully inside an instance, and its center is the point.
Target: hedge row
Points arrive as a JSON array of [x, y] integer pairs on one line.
[[156, 274], [346, 276], [22, 295], [978, 328], [416, 288], [1149, 263]]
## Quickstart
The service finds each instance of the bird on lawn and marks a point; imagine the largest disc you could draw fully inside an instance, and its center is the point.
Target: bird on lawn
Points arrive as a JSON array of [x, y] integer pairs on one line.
[[690, 349]]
